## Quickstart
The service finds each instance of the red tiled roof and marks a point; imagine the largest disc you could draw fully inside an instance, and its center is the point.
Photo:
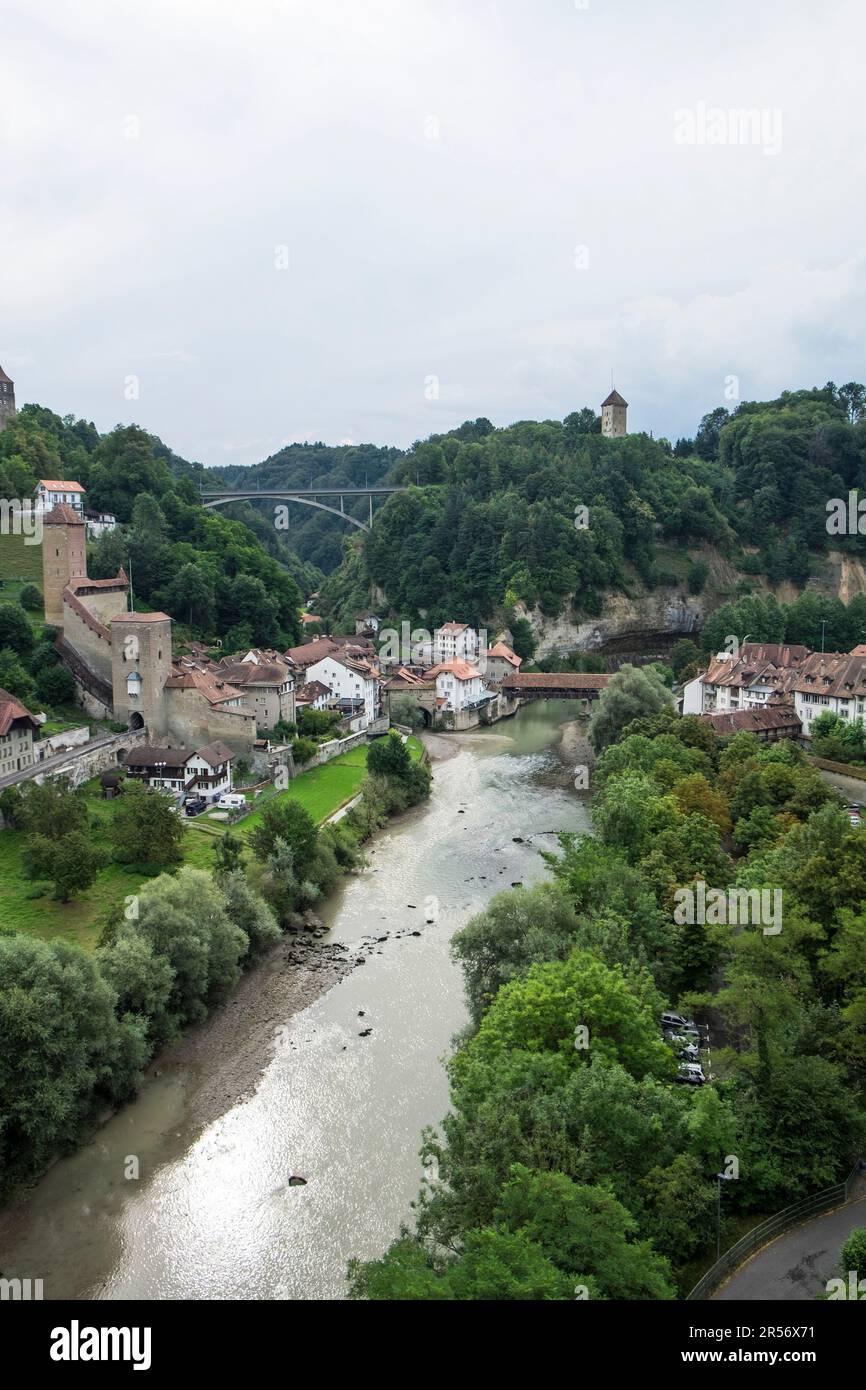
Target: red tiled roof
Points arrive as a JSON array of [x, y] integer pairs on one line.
[[463, 670], [506, 653], [71, 599], [753, 720], [11, 710], [614, 399], [59, 486], [311, 652], [4, 377], [141, 618]]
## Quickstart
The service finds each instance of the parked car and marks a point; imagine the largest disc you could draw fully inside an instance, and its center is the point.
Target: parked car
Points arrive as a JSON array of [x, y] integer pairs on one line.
[[691, 1074], [195, 806], [683, 1046], [232, 801], [672, 1020]]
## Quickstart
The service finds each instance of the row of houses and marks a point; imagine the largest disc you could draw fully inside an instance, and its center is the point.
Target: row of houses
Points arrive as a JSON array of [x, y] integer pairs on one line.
[[791, 684]]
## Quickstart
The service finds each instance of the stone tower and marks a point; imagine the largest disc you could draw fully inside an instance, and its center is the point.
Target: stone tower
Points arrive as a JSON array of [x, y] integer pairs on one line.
[[140, 665], [613, 416], [63, 557], [7, 398]]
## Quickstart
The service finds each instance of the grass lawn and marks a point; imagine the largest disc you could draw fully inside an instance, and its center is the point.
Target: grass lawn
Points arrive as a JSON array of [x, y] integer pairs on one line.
[[20, 561], [322, 791]]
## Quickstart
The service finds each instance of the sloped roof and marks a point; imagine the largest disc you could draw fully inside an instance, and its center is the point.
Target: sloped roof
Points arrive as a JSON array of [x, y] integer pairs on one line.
[[463, 670], [311, 652], [215, 753], [11, 710], [4, 377], [614, 399], [152, 755], [59, 485], [62, 514], [242, 673], [753, 721], [504, 651]]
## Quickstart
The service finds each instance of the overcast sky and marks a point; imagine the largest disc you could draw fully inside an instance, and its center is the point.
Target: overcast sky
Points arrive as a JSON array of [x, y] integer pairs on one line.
[[482, 208]]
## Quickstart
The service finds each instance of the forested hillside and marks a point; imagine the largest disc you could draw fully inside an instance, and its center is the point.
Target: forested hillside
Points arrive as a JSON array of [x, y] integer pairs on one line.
[[216, 576], [492, 520]]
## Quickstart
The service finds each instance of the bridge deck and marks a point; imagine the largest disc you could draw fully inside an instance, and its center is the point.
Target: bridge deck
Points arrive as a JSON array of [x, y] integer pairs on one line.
[[556, 685]]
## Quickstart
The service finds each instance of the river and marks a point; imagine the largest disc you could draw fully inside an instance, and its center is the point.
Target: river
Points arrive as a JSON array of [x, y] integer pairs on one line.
[[211, 1214]]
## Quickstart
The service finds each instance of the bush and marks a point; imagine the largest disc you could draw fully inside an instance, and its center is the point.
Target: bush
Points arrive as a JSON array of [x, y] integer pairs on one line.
[[699, 573], [31, 598]]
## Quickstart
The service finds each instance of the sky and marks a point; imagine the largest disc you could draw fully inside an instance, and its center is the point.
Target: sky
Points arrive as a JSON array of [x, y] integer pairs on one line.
[[240, 225]]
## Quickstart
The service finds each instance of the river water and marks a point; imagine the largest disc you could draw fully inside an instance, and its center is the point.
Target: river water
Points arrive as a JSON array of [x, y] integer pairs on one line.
[[210, 1214]]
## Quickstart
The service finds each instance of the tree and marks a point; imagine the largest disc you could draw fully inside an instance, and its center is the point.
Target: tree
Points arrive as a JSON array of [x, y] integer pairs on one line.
[[389, 757], [64, 1053], [55, 686], [146, 829], [284, 818], [52, 809], [854, 1254], [515, 931], [579, 1008], [31, 598], [15, 630], [71, 862], [251, 913], [15, 678], [185, 920], [228, 854], [631, 693]]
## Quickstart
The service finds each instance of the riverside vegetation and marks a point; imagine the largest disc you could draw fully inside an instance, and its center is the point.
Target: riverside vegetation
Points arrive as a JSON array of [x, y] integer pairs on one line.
[[565, 1171], [77, 1028]]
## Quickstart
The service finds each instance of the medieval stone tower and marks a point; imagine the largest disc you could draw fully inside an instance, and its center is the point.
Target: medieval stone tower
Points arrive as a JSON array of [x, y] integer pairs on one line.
[[613, 416], [141, 664], [63, 558], [7, 398]]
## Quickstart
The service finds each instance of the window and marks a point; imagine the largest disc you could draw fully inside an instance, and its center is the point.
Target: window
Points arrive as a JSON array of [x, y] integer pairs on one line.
[[133, 685]]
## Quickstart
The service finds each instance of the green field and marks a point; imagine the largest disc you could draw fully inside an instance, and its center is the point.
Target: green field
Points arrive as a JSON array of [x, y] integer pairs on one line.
[[20, 561], [322, 791]]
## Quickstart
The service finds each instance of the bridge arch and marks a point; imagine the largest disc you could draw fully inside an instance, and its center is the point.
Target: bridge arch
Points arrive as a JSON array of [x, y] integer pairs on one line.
[[288, 497]]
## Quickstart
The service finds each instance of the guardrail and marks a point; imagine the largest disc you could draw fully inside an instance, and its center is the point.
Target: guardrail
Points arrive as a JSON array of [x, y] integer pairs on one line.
[[759, 1235]]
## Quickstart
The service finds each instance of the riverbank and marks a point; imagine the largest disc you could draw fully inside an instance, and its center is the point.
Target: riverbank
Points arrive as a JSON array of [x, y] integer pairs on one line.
[[323, 1067]]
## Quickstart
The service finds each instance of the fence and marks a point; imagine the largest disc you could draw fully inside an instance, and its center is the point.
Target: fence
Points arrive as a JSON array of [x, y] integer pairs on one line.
[[759, 1235]]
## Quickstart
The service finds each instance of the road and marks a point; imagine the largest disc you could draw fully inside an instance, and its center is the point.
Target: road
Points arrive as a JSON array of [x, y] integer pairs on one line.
[[59, 760], [797, 1266]]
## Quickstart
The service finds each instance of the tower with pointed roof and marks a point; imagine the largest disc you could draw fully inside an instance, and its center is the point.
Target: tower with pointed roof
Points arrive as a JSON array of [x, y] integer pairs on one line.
[[7, 398], [613, 416]]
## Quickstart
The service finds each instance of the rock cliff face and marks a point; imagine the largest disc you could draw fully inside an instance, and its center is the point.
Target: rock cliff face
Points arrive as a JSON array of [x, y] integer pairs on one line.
[[662, 614], [647, 620]]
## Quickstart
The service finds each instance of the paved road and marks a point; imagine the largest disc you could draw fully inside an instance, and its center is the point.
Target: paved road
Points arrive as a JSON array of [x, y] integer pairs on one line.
[[798, 1264], [59, 759]]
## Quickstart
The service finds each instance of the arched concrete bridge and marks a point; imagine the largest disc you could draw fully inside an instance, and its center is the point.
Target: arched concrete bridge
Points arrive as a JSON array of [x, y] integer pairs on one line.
[[309, 496]]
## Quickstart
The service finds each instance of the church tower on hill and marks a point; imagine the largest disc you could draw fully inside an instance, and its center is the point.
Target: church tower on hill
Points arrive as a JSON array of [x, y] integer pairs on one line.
[[7, 398], [613, 416]]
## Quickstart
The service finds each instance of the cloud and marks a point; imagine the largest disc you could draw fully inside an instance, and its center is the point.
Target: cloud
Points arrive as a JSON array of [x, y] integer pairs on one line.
[[431, 169]]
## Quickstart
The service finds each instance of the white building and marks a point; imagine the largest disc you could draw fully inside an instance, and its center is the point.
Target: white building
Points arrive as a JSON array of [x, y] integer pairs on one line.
[[17, 726], [353, 684], [97, 523], [459, 686], [50, 492], [760, 672], [455, 641], [206, 772]]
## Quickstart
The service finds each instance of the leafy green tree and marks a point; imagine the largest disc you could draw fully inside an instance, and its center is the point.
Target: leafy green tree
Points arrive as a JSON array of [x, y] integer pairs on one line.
[[854, 1254], [15, 630], [64, 1053], [228, 852], [31, 598], [185, 920], [251, 913], [284, 818], [145, 829], [631, 693], [70, 862], [580, 1008], [52, 809], [15, 678], [55, 686], [515, 931]]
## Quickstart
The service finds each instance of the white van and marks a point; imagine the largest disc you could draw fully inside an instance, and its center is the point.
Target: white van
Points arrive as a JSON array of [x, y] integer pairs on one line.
[[231, 801]]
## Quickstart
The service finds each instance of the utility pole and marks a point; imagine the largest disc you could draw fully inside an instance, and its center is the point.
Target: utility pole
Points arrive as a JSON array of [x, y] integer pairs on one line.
[[823, 632]]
